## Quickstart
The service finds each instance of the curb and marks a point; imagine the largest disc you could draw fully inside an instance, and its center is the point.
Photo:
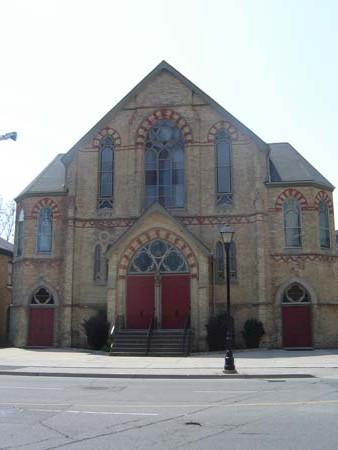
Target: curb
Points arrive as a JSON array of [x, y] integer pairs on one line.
[[158, 376]]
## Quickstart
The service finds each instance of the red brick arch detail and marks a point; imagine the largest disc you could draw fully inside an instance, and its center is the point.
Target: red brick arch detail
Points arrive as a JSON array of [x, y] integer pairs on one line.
[[158, 233], [291, 193], [160, 114], [227, 126], [46, 203], [107, 131], [322, 195]]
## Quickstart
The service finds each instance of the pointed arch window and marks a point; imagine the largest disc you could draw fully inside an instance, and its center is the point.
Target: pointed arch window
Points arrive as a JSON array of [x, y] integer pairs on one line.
[[45, 231], [20, 235], [324, 225], [164, 165], [106, 173], [292, 223], [220, 264], [223, 168]]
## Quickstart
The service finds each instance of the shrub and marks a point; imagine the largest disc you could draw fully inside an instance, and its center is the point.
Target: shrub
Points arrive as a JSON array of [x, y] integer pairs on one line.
[[96, 329], [216, 331], [253, 332]]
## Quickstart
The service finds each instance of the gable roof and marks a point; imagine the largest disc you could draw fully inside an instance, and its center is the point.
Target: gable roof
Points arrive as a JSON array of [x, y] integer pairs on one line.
[[153, 209], [158, 69], [6, 247], [289, 166], [52, 179]]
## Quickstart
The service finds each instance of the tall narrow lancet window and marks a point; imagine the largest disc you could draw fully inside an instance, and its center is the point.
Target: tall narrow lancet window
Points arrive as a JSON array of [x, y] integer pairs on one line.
[[164, 165], [223, 168], [292, 223], [220, 263], [100, 265], [19, 247], [45, 231], [324, 225], [106, 173]]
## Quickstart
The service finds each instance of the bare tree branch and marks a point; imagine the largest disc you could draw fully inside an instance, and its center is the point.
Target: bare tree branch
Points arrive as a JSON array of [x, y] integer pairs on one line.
[[7, 219]]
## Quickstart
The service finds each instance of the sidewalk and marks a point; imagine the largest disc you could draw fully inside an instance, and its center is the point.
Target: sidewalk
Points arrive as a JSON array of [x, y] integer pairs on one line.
[[87, 363]]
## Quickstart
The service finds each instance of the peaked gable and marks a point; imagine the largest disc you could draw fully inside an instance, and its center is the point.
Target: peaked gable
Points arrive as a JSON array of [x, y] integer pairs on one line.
[[164, 66]]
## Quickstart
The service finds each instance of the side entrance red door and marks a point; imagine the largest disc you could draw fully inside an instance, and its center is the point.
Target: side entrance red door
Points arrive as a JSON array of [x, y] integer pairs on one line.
[[175, 300], [41, 327], [297, 326], [140, 301]]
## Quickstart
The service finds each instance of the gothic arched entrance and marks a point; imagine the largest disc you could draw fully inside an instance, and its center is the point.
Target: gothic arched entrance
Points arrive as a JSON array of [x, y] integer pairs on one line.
[[158, 285], [41, 319], [296, 316]]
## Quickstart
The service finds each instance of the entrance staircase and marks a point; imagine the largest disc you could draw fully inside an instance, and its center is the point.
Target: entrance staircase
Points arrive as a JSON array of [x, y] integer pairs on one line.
[[153, 342]]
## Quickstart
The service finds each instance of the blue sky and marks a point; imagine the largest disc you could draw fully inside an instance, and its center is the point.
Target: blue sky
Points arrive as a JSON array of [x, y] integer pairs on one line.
[[64, 64]]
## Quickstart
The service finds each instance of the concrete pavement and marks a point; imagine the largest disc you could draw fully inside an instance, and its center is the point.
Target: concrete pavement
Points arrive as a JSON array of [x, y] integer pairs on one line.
[[249, 363]]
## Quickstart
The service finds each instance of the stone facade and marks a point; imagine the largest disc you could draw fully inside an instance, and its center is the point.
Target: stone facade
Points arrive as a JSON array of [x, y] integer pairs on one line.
[[265, 267]]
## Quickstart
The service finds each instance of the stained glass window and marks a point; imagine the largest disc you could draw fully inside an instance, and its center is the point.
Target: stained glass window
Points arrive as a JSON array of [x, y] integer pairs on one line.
[[223, 168], [292, 223], [158, 256], [220, 263], [296, 293], [45, 231], [106, 173], [100, 265], [324, 225], [42, 297], [164, 165]]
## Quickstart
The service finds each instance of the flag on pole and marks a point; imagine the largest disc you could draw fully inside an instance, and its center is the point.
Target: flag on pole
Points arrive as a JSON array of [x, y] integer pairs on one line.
[[12, 135]]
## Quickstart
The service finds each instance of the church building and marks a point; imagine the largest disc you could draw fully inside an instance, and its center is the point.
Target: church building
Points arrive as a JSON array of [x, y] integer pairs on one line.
[[128, 222]]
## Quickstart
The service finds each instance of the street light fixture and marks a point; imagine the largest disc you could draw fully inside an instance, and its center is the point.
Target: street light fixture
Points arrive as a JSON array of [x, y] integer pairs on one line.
[[227, 234]]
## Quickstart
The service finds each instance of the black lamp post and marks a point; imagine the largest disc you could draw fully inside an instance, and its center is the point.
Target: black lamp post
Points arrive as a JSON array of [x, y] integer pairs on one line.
[[229, 363]]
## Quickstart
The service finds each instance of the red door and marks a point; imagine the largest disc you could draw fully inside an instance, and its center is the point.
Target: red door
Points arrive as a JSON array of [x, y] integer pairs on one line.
[[41, 327], [297, 326], [140, 301], [175, 300]]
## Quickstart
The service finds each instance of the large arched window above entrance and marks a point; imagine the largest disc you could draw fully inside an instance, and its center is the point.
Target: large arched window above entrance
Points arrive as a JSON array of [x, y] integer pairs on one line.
[[158, 256], [292, 223], [106, 173], [324, 224], [164, 165], [42, 297], [45, 231], [296, 293]]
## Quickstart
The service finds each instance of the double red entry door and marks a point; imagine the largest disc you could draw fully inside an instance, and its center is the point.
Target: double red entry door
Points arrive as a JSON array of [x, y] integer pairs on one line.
[[297, 326], [41, 327], [168, 298]]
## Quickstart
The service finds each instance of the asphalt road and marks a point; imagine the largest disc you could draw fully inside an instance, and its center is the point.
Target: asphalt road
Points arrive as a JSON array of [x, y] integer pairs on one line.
[[52, 413]]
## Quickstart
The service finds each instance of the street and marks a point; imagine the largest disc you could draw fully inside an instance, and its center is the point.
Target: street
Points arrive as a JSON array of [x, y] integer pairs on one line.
[[82, 413]]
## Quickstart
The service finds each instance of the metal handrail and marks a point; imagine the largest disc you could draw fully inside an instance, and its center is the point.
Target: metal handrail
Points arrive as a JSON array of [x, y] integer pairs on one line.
[[150, 332], [187, 331]]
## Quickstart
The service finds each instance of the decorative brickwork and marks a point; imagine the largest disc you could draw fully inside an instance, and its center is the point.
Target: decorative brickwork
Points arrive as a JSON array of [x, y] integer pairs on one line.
[[322, 195], [104, 132], [158, 233], [219, 220], [291, 192], [302, 258], [231, 130], [46, 203], [167, 114]]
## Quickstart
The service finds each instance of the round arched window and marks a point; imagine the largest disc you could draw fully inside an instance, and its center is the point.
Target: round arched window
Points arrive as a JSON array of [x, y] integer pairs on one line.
[[296, 293], [158, 256], [42, 297]]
